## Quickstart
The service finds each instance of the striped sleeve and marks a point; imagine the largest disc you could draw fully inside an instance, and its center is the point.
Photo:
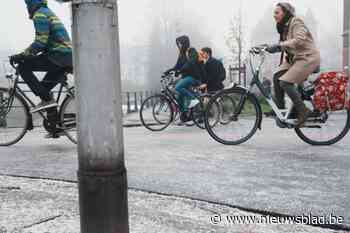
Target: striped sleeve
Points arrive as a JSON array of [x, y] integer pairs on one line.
[[42, 31]]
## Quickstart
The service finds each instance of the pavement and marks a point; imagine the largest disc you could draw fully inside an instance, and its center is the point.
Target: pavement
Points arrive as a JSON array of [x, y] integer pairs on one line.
[[274, 173], [38, 205]]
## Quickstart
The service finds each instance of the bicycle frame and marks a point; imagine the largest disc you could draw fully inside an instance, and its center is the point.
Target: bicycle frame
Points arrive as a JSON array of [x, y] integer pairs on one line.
[[14, 88], [282, 114]]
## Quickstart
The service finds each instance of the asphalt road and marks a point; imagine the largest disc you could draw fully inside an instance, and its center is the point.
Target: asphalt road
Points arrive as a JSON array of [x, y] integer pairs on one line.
[[274, 171]]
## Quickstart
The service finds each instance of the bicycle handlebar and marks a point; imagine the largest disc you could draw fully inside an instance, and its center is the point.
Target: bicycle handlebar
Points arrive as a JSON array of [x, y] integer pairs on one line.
[[258, 49], [261, 52]]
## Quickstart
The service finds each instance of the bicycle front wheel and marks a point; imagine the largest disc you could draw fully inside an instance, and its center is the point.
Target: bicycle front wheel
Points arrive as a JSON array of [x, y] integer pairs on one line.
[[14, 117], [333, 128], [156, 113], [68, 118], [199, 111], [242, 121]]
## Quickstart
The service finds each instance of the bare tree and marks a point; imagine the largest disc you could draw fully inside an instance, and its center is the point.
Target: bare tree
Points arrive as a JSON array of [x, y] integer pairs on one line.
[[236, 41]]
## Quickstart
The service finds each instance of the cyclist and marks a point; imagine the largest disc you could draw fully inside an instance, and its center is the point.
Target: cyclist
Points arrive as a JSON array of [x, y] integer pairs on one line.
[[50, 52], [300, 58], [215, 71], [192, 75], [183, 44]]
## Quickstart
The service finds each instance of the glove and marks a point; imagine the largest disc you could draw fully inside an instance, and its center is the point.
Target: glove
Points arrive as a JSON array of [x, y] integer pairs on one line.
[[17, 58], [276, 48]]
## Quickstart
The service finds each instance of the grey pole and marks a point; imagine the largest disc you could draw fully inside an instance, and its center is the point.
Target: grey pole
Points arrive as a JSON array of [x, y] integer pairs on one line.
[[346, 35], [102, 174]]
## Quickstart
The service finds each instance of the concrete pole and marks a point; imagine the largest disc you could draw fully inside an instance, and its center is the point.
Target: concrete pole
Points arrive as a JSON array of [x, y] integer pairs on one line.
[[102, 174]]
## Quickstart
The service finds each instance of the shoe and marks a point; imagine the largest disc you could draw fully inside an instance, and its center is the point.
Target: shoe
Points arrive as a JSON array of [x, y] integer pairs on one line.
[[55, 135], [184, 117], [193, 103], [44, 105], [302, 117]]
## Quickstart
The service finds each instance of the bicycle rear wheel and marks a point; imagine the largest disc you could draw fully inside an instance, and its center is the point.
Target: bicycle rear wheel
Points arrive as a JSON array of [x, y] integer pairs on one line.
[[14, 117], [156, 113], [68, 118], [243, 121], [333, 128]]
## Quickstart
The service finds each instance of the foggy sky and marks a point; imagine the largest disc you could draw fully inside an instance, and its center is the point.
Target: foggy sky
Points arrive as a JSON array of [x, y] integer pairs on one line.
[[135, 17]]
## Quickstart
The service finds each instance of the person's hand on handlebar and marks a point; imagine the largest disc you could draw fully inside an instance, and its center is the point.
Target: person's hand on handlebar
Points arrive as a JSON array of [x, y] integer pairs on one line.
[[274, 48], [203, 87], [15, 59]]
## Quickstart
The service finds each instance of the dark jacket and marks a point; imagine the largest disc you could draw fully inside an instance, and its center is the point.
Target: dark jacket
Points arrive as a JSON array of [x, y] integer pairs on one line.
[[182, 58], [216, 74], [195, 70]]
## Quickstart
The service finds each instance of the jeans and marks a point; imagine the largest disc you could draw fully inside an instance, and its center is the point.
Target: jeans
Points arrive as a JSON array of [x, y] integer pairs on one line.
[[183, 88], [41, 64]]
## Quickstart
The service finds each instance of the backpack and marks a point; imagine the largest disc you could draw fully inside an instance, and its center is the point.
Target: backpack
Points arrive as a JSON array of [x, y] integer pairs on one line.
[[332, 92]]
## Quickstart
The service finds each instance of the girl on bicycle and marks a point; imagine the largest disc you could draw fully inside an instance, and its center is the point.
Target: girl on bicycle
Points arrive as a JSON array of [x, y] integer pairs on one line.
[[300, 58], [182, 43], [192, 75]]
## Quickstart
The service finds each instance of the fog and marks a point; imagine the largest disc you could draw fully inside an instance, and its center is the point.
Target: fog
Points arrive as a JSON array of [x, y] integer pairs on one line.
[[209, 19]]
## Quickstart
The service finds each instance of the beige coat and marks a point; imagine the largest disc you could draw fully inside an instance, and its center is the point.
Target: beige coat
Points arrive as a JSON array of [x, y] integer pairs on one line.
[[300, 43]]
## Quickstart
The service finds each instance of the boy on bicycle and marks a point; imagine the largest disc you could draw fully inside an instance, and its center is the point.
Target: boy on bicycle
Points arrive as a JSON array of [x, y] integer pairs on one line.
[[50, 52], [215, 70]]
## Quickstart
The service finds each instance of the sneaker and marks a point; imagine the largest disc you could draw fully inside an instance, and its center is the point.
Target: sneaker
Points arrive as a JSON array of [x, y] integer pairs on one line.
[[44, 105], [184, 117], [193, 103]]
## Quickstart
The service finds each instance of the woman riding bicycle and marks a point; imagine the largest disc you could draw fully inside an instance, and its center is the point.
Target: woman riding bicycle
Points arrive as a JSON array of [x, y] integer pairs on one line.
[[300, 58], [192, 75]]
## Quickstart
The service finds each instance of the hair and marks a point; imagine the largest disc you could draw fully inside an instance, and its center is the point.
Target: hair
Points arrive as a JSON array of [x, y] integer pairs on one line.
[[208, 51], [192, 54]]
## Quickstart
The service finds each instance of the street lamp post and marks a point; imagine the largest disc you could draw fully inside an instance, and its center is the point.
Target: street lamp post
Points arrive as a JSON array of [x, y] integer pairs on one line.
[[102, 174]]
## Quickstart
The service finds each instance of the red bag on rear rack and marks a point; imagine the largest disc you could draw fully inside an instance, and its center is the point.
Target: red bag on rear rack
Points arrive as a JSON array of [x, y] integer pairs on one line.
[[332, 92]]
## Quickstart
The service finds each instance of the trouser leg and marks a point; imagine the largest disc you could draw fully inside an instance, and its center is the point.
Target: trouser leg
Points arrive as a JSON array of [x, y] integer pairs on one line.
[[182, 89], [26, 70], [293, 94], [40, 64], [279, 92], [299, 105]]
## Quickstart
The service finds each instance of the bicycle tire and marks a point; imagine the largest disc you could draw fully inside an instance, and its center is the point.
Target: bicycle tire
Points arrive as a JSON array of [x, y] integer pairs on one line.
[[341, 135], [66, 123], [257, 121], [158, 122], [17, 98]]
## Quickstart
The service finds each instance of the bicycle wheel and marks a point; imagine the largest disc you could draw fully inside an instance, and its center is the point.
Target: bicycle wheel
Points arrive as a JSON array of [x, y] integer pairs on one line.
[[68, 118], [330, 130], [14, 118], [198, 113], [156, 113], [244, 119]]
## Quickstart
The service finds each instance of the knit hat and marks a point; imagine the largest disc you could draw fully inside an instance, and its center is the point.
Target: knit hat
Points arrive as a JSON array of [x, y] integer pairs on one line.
[[35, 2], [288, 7], [34, 5]]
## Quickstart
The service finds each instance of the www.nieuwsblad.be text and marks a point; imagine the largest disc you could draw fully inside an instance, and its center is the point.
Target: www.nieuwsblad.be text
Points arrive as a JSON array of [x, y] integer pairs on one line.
[[308, 219]]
